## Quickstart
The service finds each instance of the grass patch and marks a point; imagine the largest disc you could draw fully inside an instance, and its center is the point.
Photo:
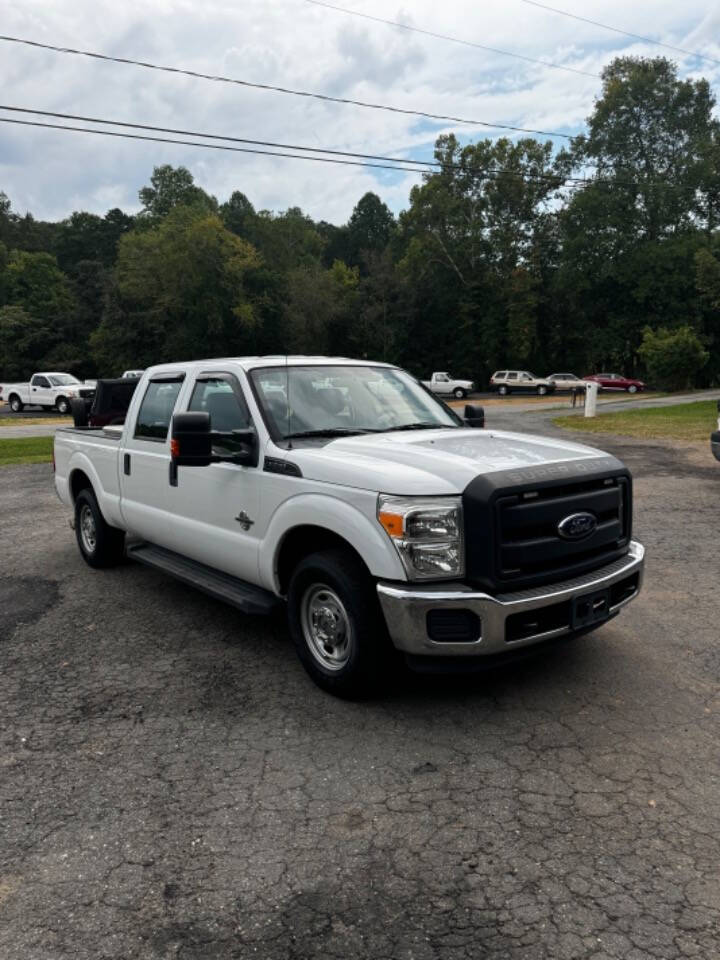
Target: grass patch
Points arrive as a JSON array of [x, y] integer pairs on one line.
[[26, 450], [692, 422], [34, 421]]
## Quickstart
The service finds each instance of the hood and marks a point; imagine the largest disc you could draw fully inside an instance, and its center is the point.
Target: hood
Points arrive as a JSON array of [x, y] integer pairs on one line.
[[434, 462]]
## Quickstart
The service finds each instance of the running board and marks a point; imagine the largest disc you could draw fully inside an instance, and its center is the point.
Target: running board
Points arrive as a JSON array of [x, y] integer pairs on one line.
[[222, 586]]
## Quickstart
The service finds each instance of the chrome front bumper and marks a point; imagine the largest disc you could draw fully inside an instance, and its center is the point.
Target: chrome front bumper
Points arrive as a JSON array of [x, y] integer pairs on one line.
[[406, 608]]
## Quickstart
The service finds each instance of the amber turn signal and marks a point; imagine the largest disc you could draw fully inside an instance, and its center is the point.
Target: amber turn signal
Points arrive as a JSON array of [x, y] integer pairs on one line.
[[392, 522]]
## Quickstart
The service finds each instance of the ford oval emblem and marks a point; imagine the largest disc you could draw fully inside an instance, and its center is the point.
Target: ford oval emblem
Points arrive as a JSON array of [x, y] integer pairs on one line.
[[577, 526]]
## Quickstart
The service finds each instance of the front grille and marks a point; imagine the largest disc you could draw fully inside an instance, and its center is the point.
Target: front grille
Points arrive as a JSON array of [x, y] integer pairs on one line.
[[86, 393], [519, 526]]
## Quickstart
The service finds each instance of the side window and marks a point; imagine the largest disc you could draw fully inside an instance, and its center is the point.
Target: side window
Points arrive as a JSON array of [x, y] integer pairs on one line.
[[156, 409], [40, 382], [227, 409], [512, 375], [442, 377]]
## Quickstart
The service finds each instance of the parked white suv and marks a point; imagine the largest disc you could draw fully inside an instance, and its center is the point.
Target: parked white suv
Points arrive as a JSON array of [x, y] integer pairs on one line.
[[520, 381]]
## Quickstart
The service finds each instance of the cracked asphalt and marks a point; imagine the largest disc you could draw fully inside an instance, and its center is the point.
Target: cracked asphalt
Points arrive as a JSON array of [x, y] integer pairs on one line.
[[173, 786]]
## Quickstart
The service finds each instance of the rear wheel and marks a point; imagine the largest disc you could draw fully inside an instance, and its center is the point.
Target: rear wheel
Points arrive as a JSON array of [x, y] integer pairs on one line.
[[336, 624], [100, 544], [632, 388], [541, 391], [16, 404], [459, 393], [62, 405]]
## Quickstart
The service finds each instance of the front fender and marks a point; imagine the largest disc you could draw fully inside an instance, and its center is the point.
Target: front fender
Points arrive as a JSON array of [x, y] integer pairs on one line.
[[360, 530]]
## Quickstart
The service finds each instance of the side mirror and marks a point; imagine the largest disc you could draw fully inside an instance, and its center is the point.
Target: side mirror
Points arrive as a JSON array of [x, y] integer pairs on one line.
[[191, 440], [474, 415]]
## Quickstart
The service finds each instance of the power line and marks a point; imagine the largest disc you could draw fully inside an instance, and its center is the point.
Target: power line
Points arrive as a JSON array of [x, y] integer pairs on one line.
[[126, 61], [605, 26], [208, 146], [443, 36], [387, 163], [356, 159]]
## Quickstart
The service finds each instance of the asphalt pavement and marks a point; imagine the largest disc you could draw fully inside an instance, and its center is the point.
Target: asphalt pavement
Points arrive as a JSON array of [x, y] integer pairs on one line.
[[173, 786]]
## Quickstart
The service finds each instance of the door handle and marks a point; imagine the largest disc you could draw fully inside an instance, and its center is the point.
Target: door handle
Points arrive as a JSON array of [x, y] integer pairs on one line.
[[126, 464]]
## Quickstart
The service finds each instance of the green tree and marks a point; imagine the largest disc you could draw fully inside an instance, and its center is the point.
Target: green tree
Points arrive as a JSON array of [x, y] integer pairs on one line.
[[172, 187], [179, 291], [674, 358]]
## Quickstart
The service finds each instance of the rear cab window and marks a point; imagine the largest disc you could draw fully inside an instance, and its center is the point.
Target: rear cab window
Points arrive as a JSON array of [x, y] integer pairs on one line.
[[157, 407]]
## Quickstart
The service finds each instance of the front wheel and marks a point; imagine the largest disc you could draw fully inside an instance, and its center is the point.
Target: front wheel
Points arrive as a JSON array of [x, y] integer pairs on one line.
[[100, 544], [541, 391], [62, 405], [16, 404], [503, 391], [459, 393], [632, 388], [336, 624]]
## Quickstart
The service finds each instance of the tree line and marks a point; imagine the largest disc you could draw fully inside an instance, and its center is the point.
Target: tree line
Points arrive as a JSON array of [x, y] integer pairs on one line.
[[498, 261]]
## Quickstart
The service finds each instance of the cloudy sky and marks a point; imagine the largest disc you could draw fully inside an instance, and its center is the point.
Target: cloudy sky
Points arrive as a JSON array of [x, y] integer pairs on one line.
[[295, 44]]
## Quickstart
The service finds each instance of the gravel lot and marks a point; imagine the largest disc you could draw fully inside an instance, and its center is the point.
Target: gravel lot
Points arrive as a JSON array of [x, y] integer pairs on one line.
[[172, 785]]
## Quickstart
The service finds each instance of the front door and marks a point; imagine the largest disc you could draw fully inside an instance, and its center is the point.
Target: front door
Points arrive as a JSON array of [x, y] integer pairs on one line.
[[218, 507], [41, 392]]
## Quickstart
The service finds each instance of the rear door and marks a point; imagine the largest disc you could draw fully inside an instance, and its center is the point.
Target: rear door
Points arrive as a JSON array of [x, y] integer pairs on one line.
[[145, 461]]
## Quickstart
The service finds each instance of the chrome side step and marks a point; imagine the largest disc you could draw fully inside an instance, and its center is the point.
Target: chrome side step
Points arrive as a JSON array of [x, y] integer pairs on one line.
[[222, 586]]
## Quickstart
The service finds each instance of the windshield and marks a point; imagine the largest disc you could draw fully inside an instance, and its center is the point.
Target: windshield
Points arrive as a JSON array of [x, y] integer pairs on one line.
[[332, 401], [62, 379]]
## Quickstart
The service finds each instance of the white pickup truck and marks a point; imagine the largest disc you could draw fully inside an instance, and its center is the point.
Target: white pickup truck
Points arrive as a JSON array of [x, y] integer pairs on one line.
[[443, 384], [345, 491], [51, 391]]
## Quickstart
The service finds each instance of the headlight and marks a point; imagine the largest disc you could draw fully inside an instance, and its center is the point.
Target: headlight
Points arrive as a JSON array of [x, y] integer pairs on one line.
[[71, 393], [427, 533]]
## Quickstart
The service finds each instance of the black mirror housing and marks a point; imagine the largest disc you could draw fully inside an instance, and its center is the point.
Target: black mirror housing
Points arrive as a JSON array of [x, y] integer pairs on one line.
[[191, 442], [474, 415]]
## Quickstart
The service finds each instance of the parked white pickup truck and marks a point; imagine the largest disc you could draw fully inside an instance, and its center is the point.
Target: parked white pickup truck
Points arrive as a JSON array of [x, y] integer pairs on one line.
[[51, 391], [345, 491], [443, 383]]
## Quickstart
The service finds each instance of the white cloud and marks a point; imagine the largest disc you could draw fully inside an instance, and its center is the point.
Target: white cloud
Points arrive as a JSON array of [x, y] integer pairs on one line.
[[294, 44]]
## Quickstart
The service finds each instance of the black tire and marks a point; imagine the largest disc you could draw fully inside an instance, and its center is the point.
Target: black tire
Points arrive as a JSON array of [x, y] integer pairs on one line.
[[364, 664], [16, 404], [62, 405], [459, 393], [632, 388], [100, 544], [541, 391], [503, 390]]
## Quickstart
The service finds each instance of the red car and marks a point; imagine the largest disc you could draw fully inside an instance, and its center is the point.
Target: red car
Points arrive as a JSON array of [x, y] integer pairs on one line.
[[613, 381]]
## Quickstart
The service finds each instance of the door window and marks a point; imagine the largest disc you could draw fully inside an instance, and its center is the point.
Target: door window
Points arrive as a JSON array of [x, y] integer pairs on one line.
[[228, 411], [156, 410], [512, 375], [40, 382]]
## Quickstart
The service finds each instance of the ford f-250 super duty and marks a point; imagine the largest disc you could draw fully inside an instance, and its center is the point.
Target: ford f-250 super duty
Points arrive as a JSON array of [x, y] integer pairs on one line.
[[346, 491]]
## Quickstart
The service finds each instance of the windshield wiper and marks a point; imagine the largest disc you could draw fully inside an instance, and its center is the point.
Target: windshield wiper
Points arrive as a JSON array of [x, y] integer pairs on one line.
[[327, 432], [419, 426]]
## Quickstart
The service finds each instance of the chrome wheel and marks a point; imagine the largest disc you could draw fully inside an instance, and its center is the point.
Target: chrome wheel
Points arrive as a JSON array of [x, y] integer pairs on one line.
[[326, 627], [88, 532]]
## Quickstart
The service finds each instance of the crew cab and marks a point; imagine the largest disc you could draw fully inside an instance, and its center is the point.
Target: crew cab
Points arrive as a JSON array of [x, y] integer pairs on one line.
[[615, 381], [51, 391], [342, 489], [444, 384], [520, 381]]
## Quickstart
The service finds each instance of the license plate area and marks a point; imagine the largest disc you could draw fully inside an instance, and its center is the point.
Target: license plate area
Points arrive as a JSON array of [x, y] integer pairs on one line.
[[590, 608]]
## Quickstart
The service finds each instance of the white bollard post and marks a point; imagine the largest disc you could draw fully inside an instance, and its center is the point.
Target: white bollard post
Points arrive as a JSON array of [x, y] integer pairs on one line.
[[591, 392]]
